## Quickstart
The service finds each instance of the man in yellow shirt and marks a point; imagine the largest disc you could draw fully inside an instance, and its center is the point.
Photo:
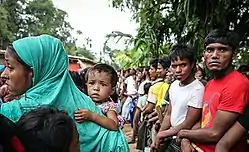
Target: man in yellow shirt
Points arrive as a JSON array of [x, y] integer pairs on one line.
[[156, 92]]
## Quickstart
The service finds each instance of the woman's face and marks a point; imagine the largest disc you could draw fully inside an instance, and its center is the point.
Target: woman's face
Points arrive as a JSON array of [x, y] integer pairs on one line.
[[16, 75]]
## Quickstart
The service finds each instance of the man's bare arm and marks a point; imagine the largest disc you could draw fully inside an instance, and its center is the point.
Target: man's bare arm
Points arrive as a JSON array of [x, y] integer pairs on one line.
[[197, 125], [166, 120], [192, 117], [222, 122], [234, 135], [149, 108]]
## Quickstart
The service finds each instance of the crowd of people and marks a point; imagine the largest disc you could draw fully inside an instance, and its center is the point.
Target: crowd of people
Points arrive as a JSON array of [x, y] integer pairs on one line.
[[173, 104]]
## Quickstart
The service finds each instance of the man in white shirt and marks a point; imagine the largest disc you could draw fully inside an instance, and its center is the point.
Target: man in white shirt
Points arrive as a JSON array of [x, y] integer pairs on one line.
[[131, 93], [185, 95]]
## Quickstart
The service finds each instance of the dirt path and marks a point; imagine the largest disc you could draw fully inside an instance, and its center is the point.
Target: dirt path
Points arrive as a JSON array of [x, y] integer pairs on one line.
[[128, 131]]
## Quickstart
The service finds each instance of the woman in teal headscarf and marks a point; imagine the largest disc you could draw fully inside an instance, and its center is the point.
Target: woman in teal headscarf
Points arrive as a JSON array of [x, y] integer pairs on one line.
[[37, 67]]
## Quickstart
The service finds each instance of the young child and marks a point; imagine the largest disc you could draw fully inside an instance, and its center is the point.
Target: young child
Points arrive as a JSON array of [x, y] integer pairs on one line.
[[101, 82]]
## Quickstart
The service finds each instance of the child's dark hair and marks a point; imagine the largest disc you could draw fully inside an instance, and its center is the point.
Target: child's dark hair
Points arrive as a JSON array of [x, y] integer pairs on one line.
[[165, 63], [223, 36], [114, 97], [147, 87], [101, 67], [181, 51], [154, 63], [53, 130]]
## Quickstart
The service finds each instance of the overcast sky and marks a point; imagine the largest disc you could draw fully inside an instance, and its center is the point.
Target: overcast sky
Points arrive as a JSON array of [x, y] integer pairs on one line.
[[96, 19]]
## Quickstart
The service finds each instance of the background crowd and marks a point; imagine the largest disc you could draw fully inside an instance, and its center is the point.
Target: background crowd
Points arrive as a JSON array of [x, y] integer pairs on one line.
[[174, 104]]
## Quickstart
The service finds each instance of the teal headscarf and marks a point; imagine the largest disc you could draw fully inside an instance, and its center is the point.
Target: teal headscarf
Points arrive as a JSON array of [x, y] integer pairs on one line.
[[53, 86]]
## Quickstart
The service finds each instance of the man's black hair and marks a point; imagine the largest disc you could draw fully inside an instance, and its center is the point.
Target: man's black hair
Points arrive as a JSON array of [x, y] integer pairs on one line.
[[147, 68], [140, 69], [154, 63], [165, 63], [181, 51], [223, 36], [147, 87]]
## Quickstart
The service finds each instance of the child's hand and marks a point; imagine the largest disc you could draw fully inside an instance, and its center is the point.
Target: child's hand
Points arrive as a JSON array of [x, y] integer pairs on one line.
[[83, 115]]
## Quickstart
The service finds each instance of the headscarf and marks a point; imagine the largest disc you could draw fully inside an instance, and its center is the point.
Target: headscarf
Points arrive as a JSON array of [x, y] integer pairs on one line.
[[53, 86]]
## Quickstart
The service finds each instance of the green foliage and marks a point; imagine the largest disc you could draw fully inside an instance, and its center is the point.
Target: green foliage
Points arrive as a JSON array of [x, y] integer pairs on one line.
[[81, 51], [186, 21], [43, 18], [20, 18], [4, 27], [139, 51]]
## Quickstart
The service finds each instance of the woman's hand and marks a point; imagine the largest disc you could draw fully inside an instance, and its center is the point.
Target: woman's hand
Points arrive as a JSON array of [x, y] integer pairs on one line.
[[83, 115]]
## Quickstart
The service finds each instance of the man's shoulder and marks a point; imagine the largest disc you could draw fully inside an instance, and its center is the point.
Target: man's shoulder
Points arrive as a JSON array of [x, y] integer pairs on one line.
[[237, 81], [165, 85], [175, 83], [157, 84], [197, 88], [197, 84], [232, 80]]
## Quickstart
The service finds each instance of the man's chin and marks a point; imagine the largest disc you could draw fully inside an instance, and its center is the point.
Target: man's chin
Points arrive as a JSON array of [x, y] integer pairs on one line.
[[215, 69], [181, 79], [217, 73]]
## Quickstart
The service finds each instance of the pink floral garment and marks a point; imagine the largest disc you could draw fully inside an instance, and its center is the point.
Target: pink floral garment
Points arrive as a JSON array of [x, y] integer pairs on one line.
[[107, 106]]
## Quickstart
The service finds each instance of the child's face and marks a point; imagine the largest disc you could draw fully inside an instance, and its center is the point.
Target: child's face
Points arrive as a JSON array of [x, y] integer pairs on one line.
[[99, 86]]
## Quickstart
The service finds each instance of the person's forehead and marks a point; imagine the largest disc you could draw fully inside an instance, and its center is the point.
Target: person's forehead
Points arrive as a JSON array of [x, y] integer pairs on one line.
[[10, 57], [99, 74], [179, 61], [216, 45], [151, 67]]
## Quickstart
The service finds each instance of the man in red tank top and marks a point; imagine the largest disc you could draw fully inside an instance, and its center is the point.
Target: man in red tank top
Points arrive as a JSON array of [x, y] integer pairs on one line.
[[225, 96]]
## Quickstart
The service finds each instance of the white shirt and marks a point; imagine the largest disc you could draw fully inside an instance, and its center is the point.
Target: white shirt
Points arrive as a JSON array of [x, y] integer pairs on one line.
[[141, 87], [131, 85], [183, 97]]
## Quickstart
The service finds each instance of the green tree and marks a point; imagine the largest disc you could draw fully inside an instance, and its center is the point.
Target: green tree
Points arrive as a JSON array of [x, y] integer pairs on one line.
[[43, 18], [20, 18], [187, 21], [11, 12], [83, 51], [5, 34]]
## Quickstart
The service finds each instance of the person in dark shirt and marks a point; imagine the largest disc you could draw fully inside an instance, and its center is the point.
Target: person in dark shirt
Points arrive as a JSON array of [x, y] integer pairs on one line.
[[244, 69], [236, 133]]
